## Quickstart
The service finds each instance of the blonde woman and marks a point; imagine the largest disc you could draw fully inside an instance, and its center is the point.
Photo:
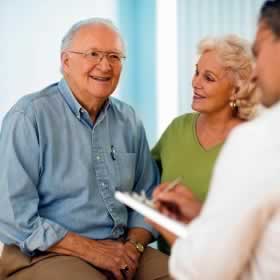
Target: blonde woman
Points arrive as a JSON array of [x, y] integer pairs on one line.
[[223, 98]]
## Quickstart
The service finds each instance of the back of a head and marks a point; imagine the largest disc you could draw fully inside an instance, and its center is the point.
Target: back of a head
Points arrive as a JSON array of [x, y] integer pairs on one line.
[[270, 15]]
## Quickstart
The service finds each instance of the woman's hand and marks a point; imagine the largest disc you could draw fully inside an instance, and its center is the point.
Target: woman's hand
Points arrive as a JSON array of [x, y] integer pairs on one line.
[[178, 203]]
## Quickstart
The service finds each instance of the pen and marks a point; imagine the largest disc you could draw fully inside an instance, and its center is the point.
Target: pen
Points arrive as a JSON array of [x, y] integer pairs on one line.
[[113, 152], [172, 184], [169, 187]]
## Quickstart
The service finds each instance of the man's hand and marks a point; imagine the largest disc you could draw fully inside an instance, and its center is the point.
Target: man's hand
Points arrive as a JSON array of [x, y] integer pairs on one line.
[[109, 255], [178, 203], [142, 236], [134, 257], [117, 257]]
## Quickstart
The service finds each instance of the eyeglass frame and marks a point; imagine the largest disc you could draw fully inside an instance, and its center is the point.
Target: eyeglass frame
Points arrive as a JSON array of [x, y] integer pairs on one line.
[[101, 54]]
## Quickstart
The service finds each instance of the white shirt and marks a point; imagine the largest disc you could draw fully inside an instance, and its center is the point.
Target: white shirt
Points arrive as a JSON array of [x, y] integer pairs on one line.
[[237, 235]]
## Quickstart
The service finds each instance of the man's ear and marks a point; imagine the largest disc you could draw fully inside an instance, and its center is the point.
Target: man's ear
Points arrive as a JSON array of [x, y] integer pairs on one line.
[[64, 58]]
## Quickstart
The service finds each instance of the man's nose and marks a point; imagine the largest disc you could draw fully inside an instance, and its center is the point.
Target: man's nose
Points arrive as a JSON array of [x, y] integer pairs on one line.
[[104, 63]]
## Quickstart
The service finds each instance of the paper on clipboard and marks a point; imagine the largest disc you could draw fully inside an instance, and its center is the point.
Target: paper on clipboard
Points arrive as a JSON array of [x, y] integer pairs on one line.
[[173, 226]]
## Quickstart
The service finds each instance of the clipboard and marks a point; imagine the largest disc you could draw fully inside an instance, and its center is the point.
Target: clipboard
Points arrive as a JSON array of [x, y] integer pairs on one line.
[[178, 228]]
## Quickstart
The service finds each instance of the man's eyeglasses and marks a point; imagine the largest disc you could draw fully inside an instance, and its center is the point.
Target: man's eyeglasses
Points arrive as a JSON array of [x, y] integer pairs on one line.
[[94, 56]]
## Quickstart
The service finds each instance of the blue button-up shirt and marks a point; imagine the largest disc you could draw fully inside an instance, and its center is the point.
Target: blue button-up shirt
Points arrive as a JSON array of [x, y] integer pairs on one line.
[[59, 170]]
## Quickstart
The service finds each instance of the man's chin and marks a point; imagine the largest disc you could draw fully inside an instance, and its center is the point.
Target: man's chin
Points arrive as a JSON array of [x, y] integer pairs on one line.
[[100, 91]]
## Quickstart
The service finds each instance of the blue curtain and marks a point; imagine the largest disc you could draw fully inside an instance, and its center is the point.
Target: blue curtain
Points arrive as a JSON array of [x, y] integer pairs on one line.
[[138, 86]]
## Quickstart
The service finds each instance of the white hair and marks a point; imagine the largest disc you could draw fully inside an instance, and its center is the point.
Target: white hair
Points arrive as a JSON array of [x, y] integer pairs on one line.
[[68, 37], [235, 54]]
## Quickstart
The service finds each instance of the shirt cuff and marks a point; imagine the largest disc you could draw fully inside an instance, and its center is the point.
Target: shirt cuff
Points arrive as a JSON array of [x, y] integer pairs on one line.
[[137, 220], [46, 234]]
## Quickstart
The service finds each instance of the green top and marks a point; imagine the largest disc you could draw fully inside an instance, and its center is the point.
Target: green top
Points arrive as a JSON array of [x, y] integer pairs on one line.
[[179, 154]]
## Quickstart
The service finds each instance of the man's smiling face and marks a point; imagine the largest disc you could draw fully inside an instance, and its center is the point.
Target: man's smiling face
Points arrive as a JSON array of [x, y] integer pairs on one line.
[[88, 79]]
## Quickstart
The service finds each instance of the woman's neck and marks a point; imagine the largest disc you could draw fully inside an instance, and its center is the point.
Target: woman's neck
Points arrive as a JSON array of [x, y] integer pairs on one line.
[[219, 122], [213, 129]]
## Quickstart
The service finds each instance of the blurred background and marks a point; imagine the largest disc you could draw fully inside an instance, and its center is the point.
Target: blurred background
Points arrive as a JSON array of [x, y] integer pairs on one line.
[[161, 38]]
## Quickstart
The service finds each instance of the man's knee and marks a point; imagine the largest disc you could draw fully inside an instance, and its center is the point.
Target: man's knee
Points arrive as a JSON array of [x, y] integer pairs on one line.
[[45, 267], [153, 265]]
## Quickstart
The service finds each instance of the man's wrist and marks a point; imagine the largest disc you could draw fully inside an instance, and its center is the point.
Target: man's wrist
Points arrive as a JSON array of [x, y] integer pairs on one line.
[[138, 245]]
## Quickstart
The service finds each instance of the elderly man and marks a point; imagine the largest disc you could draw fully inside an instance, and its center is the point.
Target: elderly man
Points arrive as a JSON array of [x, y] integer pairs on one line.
[[236, 236], [65, 150]]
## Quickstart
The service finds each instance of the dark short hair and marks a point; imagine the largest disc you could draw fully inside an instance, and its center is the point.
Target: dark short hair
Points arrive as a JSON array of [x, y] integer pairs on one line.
[[270, 15]]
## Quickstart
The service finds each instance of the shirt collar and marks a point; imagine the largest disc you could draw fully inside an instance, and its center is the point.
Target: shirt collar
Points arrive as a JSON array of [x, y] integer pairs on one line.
[[73, 103]]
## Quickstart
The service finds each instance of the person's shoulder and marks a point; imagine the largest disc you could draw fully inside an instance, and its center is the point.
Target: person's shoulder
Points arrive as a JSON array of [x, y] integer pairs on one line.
[[255, 140], [178, 125], [188, 117], [120, 105], [259, 129], [27, 103], [123, 115], [251, 154], [122, 110], [182, 121]]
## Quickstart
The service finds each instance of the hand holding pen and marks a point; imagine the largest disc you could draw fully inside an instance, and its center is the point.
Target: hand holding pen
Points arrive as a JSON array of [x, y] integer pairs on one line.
[[165, 187], [172, 184], [178, 203]]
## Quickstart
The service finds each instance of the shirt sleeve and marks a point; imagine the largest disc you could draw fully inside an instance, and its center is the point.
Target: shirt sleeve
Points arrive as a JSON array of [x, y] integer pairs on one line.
[[146, 179], [20, 170], [221, 241]]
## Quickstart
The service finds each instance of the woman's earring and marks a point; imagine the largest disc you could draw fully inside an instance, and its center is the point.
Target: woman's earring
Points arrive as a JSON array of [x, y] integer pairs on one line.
[[232, 104]]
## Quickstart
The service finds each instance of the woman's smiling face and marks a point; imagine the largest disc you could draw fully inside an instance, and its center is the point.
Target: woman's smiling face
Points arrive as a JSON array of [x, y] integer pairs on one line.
[[212, 84]]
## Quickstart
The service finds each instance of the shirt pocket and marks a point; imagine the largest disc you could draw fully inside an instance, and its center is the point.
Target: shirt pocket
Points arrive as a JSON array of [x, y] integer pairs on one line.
[[126, 165]]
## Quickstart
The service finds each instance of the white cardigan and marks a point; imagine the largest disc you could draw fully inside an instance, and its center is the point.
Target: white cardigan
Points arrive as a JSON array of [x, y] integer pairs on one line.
[[237, 235]]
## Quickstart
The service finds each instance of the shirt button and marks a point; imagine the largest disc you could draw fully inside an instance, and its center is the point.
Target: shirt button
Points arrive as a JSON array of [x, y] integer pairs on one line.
[[102, 184], [98, 157]]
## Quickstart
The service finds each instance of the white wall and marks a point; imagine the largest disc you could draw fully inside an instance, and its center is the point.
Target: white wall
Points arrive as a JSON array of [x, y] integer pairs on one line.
[[199, 19], [31, 31], [167, 64]]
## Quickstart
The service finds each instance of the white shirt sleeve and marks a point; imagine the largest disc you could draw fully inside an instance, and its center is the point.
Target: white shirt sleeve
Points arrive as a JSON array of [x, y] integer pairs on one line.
[[222, 240]]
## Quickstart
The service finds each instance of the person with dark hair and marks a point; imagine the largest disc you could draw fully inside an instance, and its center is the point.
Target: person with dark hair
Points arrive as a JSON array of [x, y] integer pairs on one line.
[[65, 150], [236, 234]]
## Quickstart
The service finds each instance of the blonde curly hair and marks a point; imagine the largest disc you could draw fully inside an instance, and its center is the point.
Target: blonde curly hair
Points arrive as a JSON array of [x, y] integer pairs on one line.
[[235, 55]]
